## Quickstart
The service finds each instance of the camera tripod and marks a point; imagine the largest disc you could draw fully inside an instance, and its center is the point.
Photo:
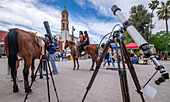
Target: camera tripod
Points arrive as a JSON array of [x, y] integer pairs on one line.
[[47, 67], [122, 71]]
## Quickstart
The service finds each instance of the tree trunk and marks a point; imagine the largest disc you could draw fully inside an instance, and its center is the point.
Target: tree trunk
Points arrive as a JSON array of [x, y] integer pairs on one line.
[[166, 21], [151, 25]]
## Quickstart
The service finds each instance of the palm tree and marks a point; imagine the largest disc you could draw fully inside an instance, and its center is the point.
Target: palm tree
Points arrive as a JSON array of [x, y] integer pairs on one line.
[[153, 5], [163, 13]]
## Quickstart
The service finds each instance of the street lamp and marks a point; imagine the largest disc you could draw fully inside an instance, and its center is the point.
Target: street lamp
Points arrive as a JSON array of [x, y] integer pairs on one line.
[[73, 29], [145, 27], [59, 42]]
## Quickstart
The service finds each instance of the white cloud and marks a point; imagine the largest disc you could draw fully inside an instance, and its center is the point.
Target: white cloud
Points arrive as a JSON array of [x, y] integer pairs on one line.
[[29, 16], [104, 8], [80, 2]]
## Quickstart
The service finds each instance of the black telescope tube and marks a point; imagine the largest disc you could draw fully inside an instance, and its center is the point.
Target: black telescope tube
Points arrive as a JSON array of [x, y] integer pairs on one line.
[[47, 27]]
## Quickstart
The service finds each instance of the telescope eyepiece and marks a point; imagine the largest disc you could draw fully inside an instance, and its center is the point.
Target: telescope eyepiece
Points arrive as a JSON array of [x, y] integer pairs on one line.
[[162, 79], [159, 80]]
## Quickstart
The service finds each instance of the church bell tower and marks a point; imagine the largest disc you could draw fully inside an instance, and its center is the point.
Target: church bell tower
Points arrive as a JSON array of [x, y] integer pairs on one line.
[[64, 26]]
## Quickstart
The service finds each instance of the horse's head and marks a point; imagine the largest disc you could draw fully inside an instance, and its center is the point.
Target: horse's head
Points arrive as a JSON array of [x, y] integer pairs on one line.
[[66, 44]]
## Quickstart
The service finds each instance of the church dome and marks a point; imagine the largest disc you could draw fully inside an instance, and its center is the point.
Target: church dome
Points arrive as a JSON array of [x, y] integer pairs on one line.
[[64, 11]]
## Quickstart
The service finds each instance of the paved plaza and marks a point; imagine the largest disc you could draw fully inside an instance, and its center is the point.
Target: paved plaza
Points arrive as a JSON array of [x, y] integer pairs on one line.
[[71, 84]]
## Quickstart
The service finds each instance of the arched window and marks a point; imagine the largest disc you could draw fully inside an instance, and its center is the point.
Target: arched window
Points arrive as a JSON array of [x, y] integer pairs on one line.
[[67, 17], [63, 25], [67, 26]]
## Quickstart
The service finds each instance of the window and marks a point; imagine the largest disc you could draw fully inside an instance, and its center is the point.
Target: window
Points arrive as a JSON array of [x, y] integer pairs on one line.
[[63, 16], [63, 25], [67, 17], [67, 25]]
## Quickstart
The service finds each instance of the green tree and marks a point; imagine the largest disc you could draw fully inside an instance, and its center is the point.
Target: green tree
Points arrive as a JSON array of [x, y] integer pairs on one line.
[[159, 40], [139, 17], [153, 5], [163, 13]]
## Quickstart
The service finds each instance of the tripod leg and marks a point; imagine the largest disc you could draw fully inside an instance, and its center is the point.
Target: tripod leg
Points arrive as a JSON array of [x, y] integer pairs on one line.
[[33, 80], [96, 69], [53, 81], [47, 78], [132, 71], [122, 74]]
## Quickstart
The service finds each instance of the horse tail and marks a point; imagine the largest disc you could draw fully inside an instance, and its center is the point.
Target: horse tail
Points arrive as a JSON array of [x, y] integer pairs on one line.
[[13, 50]]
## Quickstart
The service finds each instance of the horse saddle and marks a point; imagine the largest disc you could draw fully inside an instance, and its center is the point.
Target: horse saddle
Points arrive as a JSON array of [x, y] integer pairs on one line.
[[37, 38]]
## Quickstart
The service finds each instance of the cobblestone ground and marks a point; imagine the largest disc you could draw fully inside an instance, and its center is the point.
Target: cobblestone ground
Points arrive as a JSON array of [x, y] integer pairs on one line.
[[71, 84]]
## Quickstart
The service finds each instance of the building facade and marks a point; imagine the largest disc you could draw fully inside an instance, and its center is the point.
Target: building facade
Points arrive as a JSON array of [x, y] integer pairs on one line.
[[2, 36]]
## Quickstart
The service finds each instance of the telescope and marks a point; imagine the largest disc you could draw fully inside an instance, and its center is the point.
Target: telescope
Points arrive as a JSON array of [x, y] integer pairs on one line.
[[140, 41], [47, 27]]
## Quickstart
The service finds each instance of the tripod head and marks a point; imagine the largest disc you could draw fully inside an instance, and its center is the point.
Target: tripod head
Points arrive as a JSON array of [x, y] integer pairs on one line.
[[118, 32], [140, 41]]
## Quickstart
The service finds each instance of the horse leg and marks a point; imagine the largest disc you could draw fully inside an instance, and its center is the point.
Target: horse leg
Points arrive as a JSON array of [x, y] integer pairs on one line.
[[32, 68], [77, 63], [41, 66], [27, 64], [93, 61], [15, 87], [74, 63]]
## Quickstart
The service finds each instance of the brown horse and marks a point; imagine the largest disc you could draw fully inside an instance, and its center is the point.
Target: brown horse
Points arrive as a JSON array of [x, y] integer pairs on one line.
[[24, 44], [91, 49]]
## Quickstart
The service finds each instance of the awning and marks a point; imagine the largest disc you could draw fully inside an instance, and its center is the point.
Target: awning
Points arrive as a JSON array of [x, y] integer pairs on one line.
[[132, 46]]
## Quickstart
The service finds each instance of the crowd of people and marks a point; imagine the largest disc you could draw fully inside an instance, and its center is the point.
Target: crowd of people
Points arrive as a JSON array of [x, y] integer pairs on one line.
[[60, 56]]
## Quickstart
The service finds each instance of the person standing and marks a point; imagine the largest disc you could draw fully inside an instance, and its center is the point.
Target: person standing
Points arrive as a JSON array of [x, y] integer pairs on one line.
[[58, 56], [52, 51], [109, 57], [62, 55], [65, 56]]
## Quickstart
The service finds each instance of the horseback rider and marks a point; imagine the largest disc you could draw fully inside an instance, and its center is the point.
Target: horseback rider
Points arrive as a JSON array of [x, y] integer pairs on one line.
[[86, 41], [81, 41]]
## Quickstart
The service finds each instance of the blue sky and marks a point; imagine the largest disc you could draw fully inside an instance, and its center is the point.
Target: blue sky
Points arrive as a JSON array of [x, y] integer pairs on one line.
[[95, 16]]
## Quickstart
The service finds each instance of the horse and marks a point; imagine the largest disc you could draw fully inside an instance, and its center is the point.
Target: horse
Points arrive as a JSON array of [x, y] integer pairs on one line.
[[91, 49], [24, 44]]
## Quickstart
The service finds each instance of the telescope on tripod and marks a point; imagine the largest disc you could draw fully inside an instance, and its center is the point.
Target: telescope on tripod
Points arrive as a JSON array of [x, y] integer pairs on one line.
[[142, 44]]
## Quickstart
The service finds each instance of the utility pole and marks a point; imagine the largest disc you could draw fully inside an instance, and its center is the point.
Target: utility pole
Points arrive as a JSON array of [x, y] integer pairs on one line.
[[73, 29]]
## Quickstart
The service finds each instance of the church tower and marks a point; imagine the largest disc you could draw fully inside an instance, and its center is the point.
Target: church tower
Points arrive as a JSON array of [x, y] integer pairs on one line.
[[64, 26]]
